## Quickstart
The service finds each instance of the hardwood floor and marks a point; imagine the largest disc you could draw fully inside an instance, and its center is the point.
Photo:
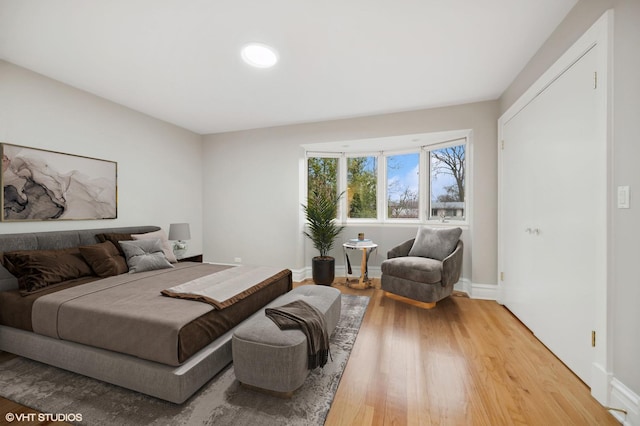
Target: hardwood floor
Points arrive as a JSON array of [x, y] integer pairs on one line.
[[465, 362]]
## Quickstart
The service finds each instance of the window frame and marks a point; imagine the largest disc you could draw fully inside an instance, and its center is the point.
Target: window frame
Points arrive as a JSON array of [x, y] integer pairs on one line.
[[424, 185], [435, 147]]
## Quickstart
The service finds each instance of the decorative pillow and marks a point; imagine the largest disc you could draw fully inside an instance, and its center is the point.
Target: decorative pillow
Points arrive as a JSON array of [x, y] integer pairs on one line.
[[37, 269], [144, 255], [435, 243], [115, 238], [162, 236], [104, 259]]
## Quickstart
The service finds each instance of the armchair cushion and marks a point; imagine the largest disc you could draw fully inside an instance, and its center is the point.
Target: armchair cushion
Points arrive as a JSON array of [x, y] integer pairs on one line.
[[419, 269], [435, 243]]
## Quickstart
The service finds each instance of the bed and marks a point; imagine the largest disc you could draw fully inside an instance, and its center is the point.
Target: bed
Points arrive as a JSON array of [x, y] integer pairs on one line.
[[117, 326]]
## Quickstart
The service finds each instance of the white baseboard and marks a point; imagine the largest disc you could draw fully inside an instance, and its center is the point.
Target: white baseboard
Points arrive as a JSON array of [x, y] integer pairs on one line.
[[300, 274], [623, 398], [475, 291], [306, 273]]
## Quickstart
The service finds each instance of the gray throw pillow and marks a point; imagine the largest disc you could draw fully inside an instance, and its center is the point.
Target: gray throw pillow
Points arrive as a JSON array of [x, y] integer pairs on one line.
[[435, 243], [144, 255]]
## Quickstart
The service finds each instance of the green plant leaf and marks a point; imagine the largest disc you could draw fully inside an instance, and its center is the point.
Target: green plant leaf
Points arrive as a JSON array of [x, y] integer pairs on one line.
[[320, 212]]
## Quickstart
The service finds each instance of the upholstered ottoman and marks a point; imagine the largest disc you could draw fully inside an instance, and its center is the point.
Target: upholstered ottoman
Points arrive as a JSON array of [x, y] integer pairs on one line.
[[268, 358]]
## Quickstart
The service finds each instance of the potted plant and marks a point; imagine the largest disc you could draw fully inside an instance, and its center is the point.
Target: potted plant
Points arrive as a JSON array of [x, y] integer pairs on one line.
[[320, 212]]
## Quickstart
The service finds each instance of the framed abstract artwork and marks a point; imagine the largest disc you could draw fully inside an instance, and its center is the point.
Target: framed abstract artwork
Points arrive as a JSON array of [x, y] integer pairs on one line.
[[46, 185]]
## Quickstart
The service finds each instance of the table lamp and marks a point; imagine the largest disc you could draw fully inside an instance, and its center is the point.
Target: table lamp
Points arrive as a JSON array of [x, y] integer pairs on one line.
[[179, 232]]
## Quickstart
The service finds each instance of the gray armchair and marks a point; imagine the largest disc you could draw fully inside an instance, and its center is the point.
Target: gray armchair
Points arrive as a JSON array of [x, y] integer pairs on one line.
[[424, 273]]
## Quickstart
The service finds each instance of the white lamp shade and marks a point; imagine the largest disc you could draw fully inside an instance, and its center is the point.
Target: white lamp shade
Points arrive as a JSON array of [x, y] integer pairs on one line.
[[179, 231]]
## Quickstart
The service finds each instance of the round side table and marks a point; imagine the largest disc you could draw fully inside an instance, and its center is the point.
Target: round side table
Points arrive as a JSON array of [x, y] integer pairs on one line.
[[367, 248]]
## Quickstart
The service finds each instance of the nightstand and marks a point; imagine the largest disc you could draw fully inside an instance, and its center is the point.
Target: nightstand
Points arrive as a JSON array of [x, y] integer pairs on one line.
[[194, 258]]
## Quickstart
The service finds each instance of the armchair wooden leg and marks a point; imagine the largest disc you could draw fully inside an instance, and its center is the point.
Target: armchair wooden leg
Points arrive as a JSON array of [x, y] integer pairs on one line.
[[423, 305]]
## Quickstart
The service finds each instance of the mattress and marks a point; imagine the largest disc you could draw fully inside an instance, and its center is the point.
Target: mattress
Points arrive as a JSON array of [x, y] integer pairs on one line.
[[127, 313]]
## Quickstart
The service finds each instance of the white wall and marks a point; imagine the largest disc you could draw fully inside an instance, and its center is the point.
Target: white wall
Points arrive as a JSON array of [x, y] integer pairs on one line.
[[252, 188], [159, 165], [624, 291]]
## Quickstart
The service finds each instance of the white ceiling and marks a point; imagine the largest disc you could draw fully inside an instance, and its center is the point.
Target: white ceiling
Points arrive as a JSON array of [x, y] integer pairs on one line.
[[179, 60]]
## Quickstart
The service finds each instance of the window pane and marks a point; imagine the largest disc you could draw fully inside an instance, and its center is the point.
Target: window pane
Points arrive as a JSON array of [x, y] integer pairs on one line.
[[403, 186], [322, 176], [362, 187], [448, 183]]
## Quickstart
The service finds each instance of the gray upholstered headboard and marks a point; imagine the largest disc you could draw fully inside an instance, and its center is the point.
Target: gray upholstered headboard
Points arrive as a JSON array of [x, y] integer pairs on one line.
[[53, 241]]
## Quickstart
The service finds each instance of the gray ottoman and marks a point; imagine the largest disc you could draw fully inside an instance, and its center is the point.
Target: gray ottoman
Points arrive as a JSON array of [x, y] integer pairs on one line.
[[268, 358]]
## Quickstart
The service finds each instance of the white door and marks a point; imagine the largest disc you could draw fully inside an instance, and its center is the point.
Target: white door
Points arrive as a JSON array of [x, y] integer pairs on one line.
[[551, 210]]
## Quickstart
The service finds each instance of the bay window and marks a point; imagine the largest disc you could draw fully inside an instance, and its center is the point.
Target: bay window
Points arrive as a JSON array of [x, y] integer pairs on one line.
[[414, 185]]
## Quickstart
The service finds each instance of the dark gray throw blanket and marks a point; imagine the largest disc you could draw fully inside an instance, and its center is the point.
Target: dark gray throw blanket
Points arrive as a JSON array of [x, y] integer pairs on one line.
[[300, 314]]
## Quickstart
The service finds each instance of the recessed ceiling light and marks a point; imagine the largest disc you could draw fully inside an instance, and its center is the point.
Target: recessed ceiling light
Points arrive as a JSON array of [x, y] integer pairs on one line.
[[259, 55]]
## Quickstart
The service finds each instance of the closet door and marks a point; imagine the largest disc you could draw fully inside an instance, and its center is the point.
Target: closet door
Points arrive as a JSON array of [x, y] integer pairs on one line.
[[551, 203], [518, 215]]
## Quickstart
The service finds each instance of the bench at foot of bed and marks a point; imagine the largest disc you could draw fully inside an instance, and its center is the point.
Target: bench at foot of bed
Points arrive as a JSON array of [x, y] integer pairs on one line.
[[267, 358]]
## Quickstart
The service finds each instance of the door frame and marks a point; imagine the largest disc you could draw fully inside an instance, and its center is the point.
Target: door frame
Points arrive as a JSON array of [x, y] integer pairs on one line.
[[599, 36]]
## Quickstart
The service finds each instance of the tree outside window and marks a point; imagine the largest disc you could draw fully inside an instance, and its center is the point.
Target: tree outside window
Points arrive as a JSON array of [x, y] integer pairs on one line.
[[403, 176], [362, 185], [448, 182], [322, 176]]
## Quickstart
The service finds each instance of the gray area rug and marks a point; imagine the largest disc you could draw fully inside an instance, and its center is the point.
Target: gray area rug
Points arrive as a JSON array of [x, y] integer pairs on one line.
[[222, 401]]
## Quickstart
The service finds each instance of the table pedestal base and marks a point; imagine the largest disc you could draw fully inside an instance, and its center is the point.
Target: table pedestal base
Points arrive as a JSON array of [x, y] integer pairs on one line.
[[360, 285], [364, 282]]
